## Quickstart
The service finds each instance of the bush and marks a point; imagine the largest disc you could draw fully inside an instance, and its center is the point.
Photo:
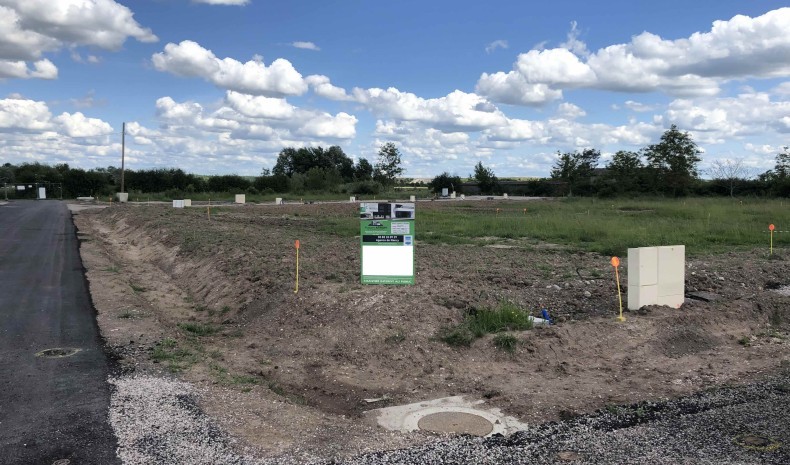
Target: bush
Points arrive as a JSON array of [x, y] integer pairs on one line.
[[366, 188]]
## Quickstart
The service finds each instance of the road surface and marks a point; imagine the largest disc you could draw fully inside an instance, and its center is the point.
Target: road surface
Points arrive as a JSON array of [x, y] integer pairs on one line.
[[51, 408]]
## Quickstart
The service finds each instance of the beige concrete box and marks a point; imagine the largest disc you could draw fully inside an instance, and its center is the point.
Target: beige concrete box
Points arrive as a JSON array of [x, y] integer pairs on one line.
[[240, 198], [187, 202], [656, 276]]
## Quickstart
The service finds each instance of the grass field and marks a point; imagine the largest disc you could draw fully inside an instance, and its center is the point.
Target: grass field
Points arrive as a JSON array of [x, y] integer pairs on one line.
[[606, 226]]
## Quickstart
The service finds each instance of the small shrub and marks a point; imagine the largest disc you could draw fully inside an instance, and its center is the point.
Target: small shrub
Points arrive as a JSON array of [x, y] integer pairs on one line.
[[127, 315], [198, 329], [506, 342], [136, 288], [745, 341]]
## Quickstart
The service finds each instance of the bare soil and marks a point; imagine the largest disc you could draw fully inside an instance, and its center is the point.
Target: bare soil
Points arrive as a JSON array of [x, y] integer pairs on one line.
[[288, 373]]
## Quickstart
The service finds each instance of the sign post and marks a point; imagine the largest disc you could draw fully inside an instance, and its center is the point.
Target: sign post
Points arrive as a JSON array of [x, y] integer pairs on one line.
[[771, 228], [296, 244], [386, 234]]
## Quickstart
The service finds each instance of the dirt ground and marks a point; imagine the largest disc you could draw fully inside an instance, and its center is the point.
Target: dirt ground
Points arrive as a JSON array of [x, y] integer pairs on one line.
[[288, 373]]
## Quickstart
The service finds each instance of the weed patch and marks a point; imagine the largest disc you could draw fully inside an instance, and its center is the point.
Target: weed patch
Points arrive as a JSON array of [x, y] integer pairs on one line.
[[198, 329], [176, 359], [506, 342], [479, 322]]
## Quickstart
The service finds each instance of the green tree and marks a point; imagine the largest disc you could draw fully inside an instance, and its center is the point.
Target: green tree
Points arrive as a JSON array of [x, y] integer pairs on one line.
[[445, 180], [674, 161], [575, 168], [625, 171], [388, 166], [486, 180], [363, 171], [782, 168]]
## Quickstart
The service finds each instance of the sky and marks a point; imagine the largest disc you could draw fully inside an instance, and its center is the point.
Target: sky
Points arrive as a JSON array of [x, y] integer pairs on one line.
[[222, 86]]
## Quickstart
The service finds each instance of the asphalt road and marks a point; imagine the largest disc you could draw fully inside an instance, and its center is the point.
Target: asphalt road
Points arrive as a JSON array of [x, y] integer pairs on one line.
[[50, 408]]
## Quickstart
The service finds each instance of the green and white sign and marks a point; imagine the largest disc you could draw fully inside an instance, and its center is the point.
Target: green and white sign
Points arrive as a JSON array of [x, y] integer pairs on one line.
[[386, 235]]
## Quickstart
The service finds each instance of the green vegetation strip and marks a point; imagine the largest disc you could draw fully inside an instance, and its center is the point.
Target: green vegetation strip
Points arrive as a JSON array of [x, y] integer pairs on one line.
[[479, 322], [609, 227]]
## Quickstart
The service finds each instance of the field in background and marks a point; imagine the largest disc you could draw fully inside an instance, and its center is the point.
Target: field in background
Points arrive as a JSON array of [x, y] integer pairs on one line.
[[608, 227]]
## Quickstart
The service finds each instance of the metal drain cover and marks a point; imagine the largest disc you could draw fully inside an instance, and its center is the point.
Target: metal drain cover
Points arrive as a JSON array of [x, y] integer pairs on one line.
[[756, 442], [57, 352], [456, 423]]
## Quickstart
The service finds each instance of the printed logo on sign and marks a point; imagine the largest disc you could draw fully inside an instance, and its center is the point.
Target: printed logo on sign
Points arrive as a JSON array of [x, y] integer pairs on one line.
[[407, 240]]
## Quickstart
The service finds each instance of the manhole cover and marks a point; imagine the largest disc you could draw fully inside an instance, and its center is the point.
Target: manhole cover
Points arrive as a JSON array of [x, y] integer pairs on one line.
[[57, 352], [61, 462], [456, 422], [755, 442]]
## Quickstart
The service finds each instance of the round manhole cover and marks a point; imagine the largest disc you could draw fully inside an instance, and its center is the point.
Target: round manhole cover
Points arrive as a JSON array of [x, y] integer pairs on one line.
[[61, 462], [758, 443], [456, 422], [57, 352]]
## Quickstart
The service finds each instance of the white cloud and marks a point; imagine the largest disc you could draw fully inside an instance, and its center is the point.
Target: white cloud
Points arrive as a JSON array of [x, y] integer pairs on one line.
[[259, 107], [42, 69], [189, 59], [305, 45], [78, 125], [639, 107], [741, 47], [324, 88], [455, 112], [24, 115], [30, 28], [570, 111], [495, 45], [722, 119]]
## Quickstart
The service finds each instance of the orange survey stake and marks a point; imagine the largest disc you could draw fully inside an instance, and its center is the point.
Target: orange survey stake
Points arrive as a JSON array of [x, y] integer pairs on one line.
[[296, 244], [616, 263]]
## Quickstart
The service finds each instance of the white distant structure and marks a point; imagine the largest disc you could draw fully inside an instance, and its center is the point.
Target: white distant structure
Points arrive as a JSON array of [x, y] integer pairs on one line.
[[42, 193], [178, 204], [241, 199], [656, 276]]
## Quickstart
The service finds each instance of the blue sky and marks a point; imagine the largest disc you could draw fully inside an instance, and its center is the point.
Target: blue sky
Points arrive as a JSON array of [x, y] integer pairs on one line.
[[221, 86]]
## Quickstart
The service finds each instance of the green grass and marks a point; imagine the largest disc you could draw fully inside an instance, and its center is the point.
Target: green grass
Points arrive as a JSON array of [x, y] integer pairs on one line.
[[198, 329], [506, 342], [126, 315], [479, 322], [609, 227], [176, 359]]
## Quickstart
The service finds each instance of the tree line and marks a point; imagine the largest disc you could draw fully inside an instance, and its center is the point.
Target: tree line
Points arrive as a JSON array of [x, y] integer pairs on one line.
[[309, 169], [669, 167]]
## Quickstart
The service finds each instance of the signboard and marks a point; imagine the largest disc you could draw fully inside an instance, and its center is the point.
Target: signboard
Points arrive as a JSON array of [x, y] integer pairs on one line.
[[386, 235], [42, 193]]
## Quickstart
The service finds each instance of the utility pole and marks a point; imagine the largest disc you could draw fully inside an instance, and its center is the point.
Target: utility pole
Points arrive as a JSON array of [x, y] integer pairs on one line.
[[123, 153]]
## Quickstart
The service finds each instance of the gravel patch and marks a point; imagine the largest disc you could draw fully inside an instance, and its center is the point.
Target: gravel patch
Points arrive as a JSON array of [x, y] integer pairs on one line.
[[158, 422]]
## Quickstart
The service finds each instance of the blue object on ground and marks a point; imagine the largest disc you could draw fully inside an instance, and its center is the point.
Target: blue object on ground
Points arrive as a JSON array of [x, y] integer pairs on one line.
[[545, 314]]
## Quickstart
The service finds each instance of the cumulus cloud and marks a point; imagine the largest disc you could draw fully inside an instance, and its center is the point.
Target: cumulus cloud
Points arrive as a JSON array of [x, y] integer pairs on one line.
[[324, 88], [722, 119], [741, 47], [495, 45], [305, 45], [189, 59], [456, 111], [30, 28], [78, 125]]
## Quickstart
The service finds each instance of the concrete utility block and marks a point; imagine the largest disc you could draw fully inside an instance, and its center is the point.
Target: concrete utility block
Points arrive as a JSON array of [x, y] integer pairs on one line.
[[452, 196], [187, 202], [178, 204], [123, 197], [656, 276], [412, 198], [504, 196], [240, 198], [352, 199], [278, 201], [463, 196]]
